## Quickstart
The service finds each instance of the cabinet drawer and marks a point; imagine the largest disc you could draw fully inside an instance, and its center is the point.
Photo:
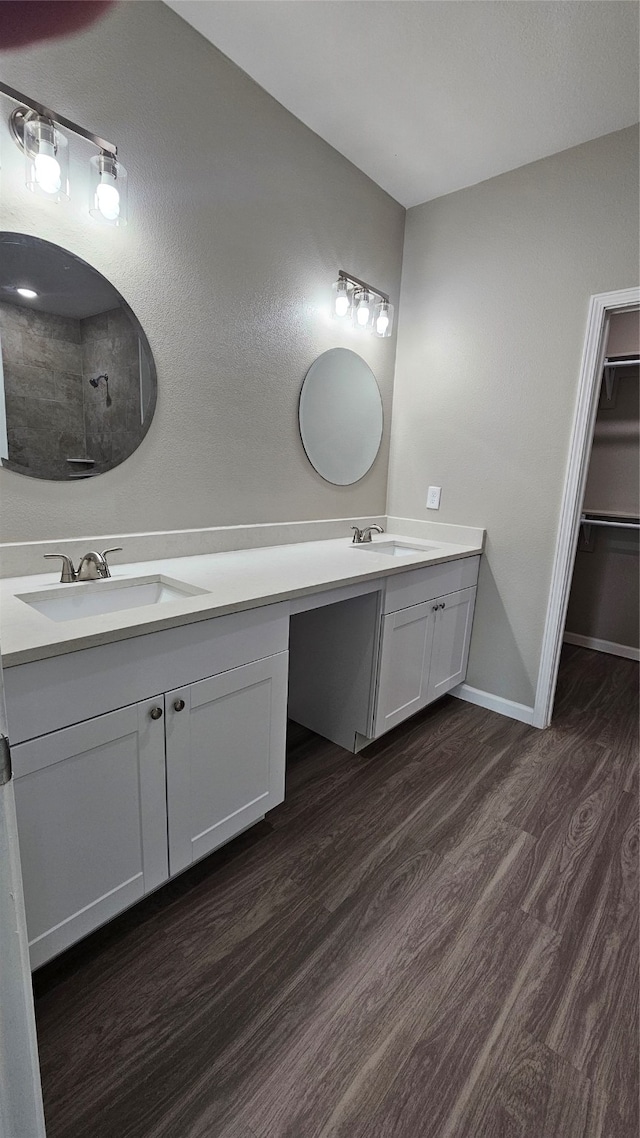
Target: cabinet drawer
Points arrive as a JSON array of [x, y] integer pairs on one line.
[[50, 694], [419, 585]]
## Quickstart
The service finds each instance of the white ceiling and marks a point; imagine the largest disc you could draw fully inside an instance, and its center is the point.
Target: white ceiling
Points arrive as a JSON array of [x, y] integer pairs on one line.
[[428, 96]]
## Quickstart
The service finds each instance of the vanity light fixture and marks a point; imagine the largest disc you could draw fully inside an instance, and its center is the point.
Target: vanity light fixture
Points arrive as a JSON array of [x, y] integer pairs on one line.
[[46, 156], [342, 298], [383, 318], [37, 131], [363, 307], [356, 300], [108, 189]]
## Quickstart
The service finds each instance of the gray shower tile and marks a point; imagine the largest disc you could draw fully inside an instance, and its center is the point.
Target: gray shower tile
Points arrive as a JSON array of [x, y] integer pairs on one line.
[[94, 327], [56, 354], [11, 343], [68, 387], [27, 380]]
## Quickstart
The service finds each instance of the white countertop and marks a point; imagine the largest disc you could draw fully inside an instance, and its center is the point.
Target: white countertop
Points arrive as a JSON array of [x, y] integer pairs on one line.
[[241, 579]]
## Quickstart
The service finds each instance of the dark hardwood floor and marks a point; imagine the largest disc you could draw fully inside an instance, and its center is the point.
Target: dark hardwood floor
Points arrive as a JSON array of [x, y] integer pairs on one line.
[[435, 939]]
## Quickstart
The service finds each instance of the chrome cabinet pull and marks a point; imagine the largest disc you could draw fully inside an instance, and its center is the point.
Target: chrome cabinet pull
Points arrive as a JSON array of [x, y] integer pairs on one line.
[[156, 713], [178, 705]]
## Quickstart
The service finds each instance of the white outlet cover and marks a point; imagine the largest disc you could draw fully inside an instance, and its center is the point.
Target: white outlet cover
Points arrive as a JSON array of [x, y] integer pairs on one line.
[[433, 497]]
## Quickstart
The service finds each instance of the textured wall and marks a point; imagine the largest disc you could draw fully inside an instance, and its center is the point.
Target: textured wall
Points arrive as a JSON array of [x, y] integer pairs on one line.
[[240, 219], [496, 284]]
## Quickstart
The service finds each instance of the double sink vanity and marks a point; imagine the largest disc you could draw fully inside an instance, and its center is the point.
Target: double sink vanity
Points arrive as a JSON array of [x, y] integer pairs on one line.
[[147, 703], [147, 711]]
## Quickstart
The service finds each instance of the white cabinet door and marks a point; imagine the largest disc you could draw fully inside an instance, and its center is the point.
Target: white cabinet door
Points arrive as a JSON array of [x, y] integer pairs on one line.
[[225, 756], [92, 823], [451, 639], [403, 679]]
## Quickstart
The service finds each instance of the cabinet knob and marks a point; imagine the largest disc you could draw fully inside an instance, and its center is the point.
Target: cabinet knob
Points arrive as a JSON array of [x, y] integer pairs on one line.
[[442, 605], [156, 713], [178, 705], [434, 608]]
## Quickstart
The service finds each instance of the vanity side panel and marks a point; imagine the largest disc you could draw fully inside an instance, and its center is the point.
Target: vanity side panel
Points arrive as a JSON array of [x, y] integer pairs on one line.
[[50, 694]]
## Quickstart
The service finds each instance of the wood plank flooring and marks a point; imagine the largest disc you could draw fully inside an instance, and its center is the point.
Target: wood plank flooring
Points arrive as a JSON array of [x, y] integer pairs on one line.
[[437, 938]]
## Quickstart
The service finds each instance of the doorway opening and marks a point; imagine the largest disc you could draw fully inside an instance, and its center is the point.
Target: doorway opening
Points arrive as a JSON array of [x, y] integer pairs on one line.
[[600, 503]]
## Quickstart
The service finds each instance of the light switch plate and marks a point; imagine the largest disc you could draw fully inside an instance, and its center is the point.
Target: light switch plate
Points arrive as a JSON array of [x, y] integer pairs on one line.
[[433, 497]]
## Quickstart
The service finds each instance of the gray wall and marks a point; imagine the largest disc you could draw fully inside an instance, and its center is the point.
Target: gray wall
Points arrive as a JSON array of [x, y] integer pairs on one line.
[[624, 334], [240, 219], [603, 602], [496, 284], [612, 482]]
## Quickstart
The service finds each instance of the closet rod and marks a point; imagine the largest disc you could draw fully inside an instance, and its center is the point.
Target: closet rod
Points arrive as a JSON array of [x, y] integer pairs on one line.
[[585, 521], [622, 363]]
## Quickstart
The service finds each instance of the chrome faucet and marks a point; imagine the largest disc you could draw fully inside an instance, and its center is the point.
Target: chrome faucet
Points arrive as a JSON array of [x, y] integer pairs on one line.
[[364, 535], [68, 571], [93, 566]]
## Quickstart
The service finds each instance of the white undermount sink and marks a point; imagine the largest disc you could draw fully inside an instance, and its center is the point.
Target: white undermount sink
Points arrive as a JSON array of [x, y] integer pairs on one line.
[[91, 598], [396, 548]]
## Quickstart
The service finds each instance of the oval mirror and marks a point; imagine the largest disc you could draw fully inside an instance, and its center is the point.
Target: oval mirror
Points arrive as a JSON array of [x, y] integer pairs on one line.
[[77, 377], [340, 416]]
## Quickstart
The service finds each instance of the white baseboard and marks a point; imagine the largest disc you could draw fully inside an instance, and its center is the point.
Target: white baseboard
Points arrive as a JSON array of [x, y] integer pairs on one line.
[[608, 646], [506, 707]]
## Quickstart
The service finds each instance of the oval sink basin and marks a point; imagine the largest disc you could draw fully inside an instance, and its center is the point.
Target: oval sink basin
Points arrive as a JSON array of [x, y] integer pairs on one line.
[[92, 598], [396, 548]]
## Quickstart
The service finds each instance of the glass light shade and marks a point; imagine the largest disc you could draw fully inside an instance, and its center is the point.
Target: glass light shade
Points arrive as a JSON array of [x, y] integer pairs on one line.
[[383, 318], [341, 298], [108, 190], [363, 308], [46, 158]]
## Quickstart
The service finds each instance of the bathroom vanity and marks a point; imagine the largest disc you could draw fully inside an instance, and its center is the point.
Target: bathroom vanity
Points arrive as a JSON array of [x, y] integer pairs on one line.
[[144, 737]]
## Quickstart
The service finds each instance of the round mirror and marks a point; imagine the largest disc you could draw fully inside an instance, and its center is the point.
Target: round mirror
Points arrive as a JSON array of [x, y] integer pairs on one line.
[[340, 416], [77, 378]]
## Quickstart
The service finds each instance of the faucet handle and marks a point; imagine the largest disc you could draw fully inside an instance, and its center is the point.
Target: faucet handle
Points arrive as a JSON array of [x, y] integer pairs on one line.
[[68, 572], [115, 549]]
